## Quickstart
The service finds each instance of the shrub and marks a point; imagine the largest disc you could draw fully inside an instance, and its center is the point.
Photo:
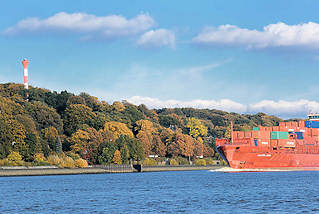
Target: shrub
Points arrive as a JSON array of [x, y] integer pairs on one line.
[[54, 160], [39, 160], [149, 162], [14, 156], [4, 162], [200, 162], [73, 155], [81, 163], [209, 161], [14, 159], [173, 162], [182, 161], [67, 162]]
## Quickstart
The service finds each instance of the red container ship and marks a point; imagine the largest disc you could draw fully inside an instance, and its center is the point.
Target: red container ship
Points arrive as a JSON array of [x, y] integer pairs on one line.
[[289, 145]]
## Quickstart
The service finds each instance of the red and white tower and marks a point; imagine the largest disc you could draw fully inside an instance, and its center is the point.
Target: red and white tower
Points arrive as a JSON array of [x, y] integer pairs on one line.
[[25, 64]]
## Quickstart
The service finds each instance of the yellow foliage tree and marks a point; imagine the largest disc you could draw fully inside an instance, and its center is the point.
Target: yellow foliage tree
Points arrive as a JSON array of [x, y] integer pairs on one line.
[[117, 157], [118, 106], [50, 133], [196, 128], [117, 129], [146, 126]]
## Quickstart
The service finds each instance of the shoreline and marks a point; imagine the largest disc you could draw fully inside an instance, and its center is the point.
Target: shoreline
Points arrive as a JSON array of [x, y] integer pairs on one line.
[[43, 171]]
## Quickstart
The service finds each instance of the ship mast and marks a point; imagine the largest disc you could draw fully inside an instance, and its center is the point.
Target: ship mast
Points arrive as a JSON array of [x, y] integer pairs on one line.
[[231, 131]]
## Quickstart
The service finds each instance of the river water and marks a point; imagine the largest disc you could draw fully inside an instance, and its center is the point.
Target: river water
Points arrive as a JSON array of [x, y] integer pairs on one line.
[[163, 192]]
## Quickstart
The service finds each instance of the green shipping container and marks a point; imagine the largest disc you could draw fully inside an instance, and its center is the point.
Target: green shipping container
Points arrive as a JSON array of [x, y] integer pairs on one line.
[[255, 128], [279, 135]]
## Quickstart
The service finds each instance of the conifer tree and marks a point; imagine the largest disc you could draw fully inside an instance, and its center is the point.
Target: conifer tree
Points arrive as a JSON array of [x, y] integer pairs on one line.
[[58, 145]]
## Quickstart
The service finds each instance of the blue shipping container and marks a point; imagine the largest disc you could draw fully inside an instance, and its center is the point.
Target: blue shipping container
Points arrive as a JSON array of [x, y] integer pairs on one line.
[[311, 124], [299, 135]]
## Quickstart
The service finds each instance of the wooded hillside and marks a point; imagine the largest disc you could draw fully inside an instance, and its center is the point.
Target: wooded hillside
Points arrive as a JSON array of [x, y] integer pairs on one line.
[[82, 125]]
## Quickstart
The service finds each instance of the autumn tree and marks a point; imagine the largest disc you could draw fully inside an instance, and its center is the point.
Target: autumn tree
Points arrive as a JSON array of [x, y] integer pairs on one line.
[[50, 134], [86, 143], [117, 157], [196, 128], [145, 134], [117, 129], [118, 106], [158, 147]]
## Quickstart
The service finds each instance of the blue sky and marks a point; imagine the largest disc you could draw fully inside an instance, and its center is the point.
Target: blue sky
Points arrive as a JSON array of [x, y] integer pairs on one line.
[[242, 56]]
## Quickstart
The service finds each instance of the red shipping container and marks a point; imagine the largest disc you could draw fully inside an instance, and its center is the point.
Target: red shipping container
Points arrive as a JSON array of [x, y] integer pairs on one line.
[[235, 134], [269, 129], [282, 124], [283, 129], [314, 132], [275, 128], [308, 132], [301, 123], [265, 135], [294, 124], [247, 134], [255, 134], [241, 134], [274, 143]]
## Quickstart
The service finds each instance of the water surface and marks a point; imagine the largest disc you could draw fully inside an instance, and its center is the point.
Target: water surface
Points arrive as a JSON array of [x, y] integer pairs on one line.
[[163, 192]]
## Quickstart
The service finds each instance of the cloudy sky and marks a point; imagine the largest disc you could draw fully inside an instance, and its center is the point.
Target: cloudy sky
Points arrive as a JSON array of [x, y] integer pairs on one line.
[[242, 56]]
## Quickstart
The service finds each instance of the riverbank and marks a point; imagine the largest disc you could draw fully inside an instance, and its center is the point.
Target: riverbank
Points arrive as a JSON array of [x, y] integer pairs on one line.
[[41, 171]]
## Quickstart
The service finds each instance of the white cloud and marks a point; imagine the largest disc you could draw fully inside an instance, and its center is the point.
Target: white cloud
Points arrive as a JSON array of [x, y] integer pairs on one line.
[[157, 38], [285, 109], [273, 35], [104, 26], [224, 104]]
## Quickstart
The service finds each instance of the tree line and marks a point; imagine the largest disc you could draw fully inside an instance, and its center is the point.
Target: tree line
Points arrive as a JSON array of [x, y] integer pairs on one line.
[[41, 123]]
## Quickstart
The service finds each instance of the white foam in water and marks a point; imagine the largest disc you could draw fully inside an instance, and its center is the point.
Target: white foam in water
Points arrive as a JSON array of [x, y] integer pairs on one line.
[[228, 169]]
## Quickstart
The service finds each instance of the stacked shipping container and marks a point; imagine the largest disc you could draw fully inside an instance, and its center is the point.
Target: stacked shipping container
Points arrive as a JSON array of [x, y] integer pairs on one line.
[[284, 135]]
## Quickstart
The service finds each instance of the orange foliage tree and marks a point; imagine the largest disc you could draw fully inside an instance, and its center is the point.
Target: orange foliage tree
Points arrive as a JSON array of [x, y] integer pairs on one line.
[[117, 157]]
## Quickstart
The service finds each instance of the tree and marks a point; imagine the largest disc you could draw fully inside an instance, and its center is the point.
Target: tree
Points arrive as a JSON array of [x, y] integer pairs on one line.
[[117, 157], [106, 152], [75, 100], [145, 133], [198, 149], [118, 106], [50, 134], [158, 147], [77, 115], [125, 153], [196, 128], [86, 143], [58, 145], [44, 116], [136, 150], [117, 129]]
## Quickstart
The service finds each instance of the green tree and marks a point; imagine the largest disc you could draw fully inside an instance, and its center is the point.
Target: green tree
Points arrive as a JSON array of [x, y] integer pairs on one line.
[[76, 115]]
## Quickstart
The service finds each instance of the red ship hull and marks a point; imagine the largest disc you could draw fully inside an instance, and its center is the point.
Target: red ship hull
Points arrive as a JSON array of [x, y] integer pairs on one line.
[[247, 157], [289, 145]]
